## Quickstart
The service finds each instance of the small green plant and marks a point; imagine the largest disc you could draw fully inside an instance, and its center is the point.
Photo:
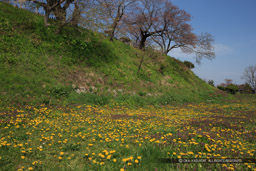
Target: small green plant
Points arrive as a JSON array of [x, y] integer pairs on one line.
[[211, 82], [60, 91], [142, 93], [190, 65]]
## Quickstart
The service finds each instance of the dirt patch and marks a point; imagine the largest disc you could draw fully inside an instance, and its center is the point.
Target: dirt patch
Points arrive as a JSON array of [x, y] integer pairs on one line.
[[85, 80]]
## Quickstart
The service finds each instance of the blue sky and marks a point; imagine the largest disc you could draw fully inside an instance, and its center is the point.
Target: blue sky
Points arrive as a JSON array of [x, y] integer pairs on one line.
[[233, 26]]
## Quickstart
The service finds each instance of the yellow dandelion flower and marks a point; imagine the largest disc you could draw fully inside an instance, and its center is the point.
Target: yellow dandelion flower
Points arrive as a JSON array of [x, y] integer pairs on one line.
[[230, 168], [35, 162], [190, 152], [60, 158], [114, 160], [122, 169], [113, 151], [136, 161], [129, 164], [139, 157], [22, 157], [30, 168], [61, 153]]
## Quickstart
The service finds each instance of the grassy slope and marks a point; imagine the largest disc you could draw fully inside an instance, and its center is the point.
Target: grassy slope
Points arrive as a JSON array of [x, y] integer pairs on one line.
[[38, 66]]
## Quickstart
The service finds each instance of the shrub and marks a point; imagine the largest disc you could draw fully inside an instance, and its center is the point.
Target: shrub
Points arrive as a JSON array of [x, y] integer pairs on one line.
[[232, 88], [211, 82], [125, 40], [190, 65], [221, 88]]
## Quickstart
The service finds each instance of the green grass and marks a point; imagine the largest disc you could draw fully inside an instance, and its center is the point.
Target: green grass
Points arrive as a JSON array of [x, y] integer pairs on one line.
[[40, 67]]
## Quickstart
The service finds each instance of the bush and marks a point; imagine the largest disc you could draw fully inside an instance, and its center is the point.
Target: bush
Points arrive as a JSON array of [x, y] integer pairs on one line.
[[125, 40], [221, 88], [232, 88], [190, 65], [60, 91], [247, 89], [211, 82]]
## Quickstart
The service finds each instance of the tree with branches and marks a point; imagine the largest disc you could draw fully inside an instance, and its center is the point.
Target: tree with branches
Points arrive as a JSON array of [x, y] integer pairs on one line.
[[202, 49], [161, 22], [144, 21], [249, 76], [111, 12], [177, 32], [49, 6]]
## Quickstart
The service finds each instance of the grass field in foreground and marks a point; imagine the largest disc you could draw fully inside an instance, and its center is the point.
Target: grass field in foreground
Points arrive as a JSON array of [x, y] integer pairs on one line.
[[97, 138]]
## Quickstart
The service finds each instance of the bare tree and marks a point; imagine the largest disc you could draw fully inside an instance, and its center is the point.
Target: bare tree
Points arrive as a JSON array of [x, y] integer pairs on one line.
[[48, 6], [202, 49], [167, 26], [60, 12], [73, 16], [111, 13], [144, 22], [249, 76], [177, 32]]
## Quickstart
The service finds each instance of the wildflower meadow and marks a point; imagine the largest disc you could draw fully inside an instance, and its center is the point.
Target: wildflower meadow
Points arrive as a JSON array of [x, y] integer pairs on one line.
[[103, 138]]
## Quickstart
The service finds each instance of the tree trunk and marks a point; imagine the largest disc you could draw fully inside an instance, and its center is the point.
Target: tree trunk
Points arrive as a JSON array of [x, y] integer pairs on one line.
[[112, 31], [75, 16], [114, 25], [60, 14], [142, 42], [46, 17]]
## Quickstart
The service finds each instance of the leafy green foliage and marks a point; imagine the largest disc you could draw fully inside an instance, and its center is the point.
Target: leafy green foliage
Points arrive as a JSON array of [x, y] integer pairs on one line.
[[211, 82], [189, 64], [232, 88]]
